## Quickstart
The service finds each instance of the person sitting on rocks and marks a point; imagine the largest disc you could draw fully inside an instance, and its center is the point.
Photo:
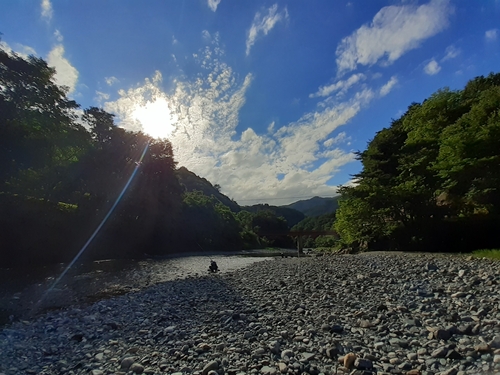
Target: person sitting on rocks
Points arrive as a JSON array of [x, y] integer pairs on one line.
[[213, 266]]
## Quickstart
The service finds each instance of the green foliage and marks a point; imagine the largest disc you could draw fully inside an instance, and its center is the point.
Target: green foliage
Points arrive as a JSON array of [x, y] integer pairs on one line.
[[487, 253], [59, 179], [291, 216], [316, 206], [438, 163]]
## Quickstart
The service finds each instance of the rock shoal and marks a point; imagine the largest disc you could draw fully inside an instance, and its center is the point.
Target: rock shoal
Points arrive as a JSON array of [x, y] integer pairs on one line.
[[350, 314]]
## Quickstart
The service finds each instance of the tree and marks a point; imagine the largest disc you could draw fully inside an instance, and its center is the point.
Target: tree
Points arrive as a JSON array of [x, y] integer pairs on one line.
[[39, 137]]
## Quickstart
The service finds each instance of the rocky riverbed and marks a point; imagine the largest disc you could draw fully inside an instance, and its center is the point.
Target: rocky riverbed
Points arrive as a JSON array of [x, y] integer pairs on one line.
[[349, 314]]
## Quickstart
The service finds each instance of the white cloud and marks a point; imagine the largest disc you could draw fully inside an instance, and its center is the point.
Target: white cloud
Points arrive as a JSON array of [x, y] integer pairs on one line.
[[66, 74], [110, 81], [394, 31], [261, 25], [432, 68], [341, 86], [19, 49], [58, 36], [451, 53], [101, 96], [297, 159], [491, 34], [213, 4], [46, 10], [386, 89]]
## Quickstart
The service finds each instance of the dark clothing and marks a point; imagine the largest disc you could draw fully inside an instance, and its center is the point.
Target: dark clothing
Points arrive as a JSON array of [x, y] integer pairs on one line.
[[213, 266]]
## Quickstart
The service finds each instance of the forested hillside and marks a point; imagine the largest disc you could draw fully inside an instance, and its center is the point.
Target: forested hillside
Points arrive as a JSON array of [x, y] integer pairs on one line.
[[315, 206], [65, 172], [431, 180]]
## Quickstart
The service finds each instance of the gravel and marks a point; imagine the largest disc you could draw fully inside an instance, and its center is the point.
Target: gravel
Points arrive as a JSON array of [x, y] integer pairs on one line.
[[373, 313]]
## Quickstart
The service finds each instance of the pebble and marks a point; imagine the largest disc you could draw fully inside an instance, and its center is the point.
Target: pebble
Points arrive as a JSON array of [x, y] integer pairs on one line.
[[374, 313]]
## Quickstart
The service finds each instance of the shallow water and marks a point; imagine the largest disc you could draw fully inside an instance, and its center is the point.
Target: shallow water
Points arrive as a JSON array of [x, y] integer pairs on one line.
[[29, 291]]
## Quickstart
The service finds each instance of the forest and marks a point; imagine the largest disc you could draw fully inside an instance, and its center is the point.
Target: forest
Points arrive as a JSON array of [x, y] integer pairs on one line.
[[66, 171], [430, 181]]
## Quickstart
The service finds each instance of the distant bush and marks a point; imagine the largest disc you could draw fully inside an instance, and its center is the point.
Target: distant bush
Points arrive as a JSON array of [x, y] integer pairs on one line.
[[487, 253]]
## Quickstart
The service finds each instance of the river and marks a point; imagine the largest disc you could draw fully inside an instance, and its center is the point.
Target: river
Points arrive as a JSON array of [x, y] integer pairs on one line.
[[29, 291]]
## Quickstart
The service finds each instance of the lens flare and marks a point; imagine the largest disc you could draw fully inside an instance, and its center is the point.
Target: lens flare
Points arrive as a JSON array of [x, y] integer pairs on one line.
[[91, 238]]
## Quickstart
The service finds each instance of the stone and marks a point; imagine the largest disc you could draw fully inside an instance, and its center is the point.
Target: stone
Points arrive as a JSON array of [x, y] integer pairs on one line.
[[363, 364], [267, 370], [287, 353], [283, 368], [126, 363], [307, 356], [398, 342], [97, 372], [495, 342], [137, 368], [482, 348], [451, 371], [212, 365], [442, 334], [331, 352], [439, 352], [453, 354], [349, 360], [337, 329]]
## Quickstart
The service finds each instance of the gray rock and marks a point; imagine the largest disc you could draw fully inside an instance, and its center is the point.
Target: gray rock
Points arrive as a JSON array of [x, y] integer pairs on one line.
[[126, 363], [212, 365], [399, 342], [137, 368], [363, 364], [442, 334], [439, 352]]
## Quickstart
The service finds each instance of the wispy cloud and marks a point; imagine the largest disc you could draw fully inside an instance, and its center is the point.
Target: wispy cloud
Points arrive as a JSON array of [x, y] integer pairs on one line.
[[432, 68], [386, 89], [491, 34], [213, 4], [101, 96], [297, 159], [66, 74], [58, 36], [110, 81], [340, 86], [19, 49], [451, 53], [393, 31], [47, 12], [262, 24]]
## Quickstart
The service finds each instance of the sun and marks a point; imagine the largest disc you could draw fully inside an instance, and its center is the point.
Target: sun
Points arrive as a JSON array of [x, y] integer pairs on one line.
[[155, 118]]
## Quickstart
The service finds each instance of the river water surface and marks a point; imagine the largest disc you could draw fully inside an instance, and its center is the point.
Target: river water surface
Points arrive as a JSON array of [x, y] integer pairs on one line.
[[29, 291]]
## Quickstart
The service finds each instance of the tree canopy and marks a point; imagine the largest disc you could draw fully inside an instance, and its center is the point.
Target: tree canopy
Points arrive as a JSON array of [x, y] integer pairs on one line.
[[63, 168], [430, 174]]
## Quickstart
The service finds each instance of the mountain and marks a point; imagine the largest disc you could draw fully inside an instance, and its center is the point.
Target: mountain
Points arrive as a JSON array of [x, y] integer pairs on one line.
[[291, 215], [192, 182], [315, 206]]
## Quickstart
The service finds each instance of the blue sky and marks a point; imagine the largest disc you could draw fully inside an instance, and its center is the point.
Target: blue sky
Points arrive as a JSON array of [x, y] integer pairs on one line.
[[269, 99]]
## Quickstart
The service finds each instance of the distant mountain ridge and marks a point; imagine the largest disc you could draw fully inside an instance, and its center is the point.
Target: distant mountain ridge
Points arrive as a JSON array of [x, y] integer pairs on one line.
[[315, 206], [192, 182]]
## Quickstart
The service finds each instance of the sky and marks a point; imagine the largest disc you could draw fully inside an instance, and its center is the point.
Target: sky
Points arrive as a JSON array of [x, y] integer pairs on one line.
[[268, 99]]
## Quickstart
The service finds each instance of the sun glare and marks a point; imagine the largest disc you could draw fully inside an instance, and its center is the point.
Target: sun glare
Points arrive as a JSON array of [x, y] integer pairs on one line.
[[155, 118]]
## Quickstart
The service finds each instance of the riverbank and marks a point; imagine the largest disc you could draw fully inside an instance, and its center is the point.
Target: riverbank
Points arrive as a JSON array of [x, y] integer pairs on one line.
[[22, 288], [373, 313]]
